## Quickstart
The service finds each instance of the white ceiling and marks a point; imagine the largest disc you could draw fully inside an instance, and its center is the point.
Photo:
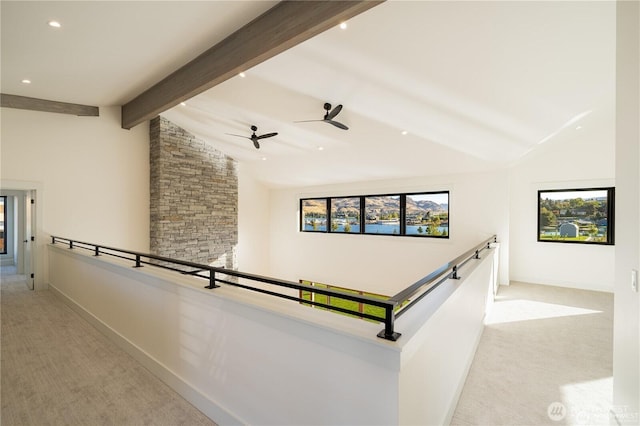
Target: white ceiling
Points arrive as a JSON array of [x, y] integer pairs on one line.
[[476, 85]]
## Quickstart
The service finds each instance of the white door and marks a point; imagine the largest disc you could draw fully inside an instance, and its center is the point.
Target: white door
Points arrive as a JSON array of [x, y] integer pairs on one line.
[[29, 237]]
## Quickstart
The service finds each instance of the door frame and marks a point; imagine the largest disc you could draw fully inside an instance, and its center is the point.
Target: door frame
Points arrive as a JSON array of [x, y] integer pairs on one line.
[[38, 246]]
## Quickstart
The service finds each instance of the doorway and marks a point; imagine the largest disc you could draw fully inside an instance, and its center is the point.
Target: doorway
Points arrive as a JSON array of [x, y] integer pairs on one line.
[[18, 232]]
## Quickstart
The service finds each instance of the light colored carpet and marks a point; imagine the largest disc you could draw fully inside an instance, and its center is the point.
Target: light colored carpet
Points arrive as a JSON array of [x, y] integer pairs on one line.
[[542, 345], [58, 370]]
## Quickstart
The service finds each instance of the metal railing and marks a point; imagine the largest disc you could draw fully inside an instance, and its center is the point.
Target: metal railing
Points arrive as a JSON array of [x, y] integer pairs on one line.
[[412, 294]]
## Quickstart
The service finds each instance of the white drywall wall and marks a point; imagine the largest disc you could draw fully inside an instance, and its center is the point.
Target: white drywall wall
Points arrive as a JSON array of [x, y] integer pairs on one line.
[[626, 320], [387, 264], [574, 158], [93, 175]]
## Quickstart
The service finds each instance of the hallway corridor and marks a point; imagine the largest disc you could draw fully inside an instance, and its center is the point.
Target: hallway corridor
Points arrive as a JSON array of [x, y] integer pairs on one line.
[[59, 370]]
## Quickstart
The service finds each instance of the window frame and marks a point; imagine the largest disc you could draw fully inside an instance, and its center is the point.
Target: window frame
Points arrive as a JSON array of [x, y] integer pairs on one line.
[[327, 214], [330, 215], [401, 208], [610, 216], [402, 197]]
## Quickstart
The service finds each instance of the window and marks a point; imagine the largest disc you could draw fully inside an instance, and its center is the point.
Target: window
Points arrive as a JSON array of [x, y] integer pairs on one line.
[[382, 215], [427, 214], [314, 215], [345, 215], [3, 226], [423, 214], [584, 215]]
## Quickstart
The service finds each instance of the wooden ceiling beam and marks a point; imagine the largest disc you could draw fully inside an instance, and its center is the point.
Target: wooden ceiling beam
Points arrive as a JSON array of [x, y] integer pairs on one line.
[[35, 104], [283, 26]]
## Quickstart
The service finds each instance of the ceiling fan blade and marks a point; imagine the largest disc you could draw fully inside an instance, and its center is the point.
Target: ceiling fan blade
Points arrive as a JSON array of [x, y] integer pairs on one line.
[[240, 136], [335, 112], [337, 124], [306, 121], [256, 143], [267, 135]]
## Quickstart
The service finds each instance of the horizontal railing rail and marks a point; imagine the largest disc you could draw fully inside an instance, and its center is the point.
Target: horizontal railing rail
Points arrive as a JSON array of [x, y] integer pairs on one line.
[[412, 293], [450, 270]]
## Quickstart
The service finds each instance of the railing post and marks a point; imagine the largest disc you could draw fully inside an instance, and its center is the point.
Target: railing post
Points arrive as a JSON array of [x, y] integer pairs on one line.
[[70, 245], [97, 251], [454, 275], [53, 239], [477, 256], [138, 265], [212, 280], [389, 318]]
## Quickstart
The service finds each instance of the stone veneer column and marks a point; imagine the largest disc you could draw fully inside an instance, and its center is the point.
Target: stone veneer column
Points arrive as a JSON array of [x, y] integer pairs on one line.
[[194, 198]]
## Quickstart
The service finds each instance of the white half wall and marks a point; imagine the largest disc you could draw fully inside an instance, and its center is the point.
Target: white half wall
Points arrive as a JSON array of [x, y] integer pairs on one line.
[[240, 357], [248, 358], [439, 354], [387, 264]]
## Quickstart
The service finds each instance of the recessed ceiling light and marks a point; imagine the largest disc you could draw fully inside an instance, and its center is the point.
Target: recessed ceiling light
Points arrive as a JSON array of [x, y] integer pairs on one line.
[[404, 132], [321, 148], [26, 81], [243, 75], [578, 127], [54, 24], [264, 158], [183, 104], [343, 25]]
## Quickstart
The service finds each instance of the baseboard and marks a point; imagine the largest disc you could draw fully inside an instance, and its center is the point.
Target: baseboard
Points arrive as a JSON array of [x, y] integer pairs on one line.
[[564, 284], [214, 411]]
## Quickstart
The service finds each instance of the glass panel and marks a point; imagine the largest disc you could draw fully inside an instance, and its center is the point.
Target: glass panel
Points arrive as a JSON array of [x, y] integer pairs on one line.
[[382, 215], [314, 215], [427, 214], [345, 215], [578, 216]]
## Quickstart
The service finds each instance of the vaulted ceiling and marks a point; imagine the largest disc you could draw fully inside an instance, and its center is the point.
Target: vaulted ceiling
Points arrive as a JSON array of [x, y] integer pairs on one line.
[[427, 87]]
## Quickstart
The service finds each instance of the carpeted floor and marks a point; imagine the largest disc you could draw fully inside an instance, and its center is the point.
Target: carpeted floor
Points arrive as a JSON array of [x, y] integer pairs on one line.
[[545, 358], [58, 370]]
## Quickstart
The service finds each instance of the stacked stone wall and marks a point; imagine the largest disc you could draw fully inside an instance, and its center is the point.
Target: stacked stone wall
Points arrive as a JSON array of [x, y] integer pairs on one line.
[[194, 198]]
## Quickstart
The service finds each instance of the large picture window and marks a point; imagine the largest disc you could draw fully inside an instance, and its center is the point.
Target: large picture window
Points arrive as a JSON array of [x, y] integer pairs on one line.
[[584, 215], [424, 214]]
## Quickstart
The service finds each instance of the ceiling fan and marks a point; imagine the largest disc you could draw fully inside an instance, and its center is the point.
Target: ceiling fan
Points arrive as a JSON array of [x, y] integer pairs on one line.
[[329, 116], [255, 138]]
